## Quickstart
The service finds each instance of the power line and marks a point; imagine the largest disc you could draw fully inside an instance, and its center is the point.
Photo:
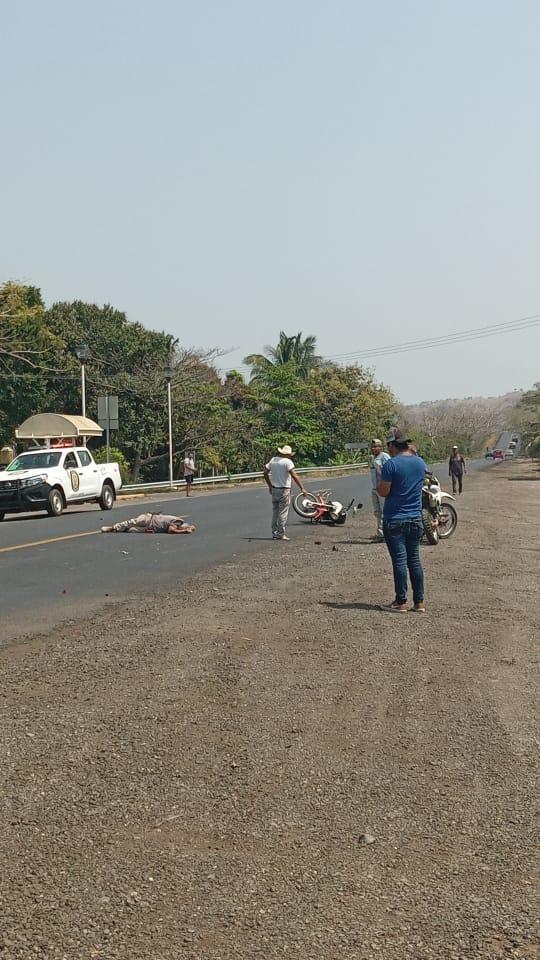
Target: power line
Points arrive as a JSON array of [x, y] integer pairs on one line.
[[476, 333], [371, 353], [427, 343]]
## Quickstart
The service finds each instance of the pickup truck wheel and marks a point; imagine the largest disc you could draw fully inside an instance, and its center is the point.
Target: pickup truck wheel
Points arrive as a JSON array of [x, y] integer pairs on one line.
[[55, 505], [106, 500]]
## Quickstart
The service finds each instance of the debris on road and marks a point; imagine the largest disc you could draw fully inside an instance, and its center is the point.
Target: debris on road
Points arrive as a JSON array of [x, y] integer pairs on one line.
[[365, 839]]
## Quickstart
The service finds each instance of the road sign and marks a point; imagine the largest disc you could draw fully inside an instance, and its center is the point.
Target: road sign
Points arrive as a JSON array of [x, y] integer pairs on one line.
[[107, 408]]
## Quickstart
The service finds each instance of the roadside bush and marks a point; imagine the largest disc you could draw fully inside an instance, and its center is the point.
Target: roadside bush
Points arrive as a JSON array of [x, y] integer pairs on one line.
[[533, 448], [343, 457]]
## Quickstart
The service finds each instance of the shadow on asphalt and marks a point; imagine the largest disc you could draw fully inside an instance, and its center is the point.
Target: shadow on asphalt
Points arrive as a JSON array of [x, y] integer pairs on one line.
[[27, 517], [249, 539], [33, 516], [359, 543], [356, 606]]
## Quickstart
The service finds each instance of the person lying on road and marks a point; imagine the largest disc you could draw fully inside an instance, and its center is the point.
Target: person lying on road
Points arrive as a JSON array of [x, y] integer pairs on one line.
[[152, 523]]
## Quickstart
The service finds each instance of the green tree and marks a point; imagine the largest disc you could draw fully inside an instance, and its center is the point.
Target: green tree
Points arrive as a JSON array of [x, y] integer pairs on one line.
[[352, 407], [289, 350], [526, 419], [126, 360], [30, 354], [287, 413]]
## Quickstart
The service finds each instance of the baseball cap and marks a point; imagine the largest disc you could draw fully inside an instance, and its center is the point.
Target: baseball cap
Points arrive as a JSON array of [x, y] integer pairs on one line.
[[397, 436]]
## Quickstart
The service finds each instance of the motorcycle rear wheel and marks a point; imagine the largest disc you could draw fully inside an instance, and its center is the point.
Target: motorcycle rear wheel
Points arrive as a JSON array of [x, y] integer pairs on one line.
[[430, 529], [305, 505], [448, 519], [339, 520]]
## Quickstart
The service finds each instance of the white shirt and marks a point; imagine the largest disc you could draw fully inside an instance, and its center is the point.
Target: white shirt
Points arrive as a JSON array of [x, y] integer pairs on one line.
[[189, 466], [279, 469], [377, 463]]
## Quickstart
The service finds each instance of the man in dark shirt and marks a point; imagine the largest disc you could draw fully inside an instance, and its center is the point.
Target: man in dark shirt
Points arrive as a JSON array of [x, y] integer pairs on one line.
[[456, 469], [402, 478]]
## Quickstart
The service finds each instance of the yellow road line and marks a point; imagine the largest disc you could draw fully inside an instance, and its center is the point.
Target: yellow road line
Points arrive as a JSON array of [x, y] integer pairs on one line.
[[40, 543]]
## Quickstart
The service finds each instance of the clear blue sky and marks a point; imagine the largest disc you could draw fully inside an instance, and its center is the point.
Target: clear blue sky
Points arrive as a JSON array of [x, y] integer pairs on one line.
[[367, 172]]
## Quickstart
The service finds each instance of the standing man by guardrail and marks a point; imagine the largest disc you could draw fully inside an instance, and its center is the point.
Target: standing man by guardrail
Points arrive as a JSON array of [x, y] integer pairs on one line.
[[378, 459], [189, 470], [279, 473]]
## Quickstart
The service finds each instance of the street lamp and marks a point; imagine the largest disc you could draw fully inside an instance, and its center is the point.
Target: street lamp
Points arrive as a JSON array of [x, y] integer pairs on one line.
[[168, 373], [82, 352]]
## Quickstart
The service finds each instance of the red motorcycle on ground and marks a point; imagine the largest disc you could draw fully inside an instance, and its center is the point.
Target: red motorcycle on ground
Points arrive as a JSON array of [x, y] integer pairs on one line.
[[319, 508]]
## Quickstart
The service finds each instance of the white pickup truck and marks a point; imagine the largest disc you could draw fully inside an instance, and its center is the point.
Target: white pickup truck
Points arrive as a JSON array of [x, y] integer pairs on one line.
[[49, 479]]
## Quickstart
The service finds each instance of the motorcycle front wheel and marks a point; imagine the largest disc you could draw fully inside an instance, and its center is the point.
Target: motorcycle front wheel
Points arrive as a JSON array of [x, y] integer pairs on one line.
[[448, 519], [305, 505], [430, 528]]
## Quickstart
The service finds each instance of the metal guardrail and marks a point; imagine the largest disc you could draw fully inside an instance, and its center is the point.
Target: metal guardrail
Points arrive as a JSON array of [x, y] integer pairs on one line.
[[230, 478]]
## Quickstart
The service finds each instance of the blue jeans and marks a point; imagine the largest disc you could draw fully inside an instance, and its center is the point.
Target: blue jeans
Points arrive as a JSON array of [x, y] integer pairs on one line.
[[403, 542]]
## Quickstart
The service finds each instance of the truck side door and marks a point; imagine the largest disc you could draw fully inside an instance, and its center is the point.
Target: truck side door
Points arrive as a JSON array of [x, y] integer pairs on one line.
[[72, 482], [88, 474]]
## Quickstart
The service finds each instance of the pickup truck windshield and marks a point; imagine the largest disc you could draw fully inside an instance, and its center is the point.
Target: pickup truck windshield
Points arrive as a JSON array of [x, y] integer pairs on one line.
[[32, 461]]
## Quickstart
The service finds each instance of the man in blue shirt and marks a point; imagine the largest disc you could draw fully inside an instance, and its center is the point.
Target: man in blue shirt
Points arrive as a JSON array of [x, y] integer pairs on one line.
[[402, 478]]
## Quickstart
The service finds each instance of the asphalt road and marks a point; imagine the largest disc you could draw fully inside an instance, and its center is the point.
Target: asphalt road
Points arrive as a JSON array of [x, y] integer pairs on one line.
[[504, 440], [56, 569]]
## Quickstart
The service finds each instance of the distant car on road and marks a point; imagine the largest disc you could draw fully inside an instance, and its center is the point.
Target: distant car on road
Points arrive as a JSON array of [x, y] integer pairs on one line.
[[489, 455], [498, 454], [508, 454]]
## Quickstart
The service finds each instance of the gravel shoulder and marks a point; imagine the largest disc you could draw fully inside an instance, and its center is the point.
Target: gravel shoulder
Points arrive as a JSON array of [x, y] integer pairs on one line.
[[266, 764]]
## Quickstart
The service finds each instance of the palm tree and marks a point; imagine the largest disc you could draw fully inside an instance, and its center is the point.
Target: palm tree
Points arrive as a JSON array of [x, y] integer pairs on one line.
[[289, 350]]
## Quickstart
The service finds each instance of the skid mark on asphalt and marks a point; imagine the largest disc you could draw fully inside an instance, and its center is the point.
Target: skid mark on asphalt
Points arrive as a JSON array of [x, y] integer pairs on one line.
[[40, 543]]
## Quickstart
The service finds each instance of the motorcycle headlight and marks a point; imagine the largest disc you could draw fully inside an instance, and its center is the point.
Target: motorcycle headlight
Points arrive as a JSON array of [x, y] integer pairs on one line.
[[33, 481]]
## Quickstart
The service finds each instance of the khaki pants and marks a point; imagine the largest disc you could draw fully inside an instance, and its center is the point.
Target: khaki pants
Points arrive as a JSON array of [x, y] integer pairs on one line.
[[378, 506], [281, 501], [136, 525]]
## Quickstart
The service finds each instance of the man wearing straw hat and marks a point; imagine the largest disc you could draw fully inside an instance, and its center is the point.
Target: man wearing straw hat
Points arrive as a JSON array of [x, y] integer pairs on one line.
[[279, 473]]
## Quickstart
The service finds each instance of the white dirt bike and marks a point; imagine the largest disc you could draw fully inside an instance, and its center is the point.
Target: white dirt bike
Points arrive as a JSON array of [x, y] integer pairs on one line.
[[439, 516]]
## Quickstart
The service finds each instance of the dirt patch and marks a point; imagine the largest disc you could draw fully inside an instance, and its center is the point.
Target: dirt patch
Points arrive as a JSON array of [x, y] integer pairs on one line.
[[266, 764]]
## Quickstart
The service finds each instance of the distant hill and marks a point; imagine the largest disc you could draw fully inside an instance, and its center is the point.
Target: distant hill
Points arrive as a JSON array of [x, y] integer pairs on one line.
[[471, 422], [503, 402]]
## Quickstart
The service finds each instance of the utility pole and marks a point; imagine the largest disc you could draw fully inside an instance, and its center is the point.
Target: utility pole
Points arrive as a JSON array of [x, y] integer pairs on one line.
[[82, 351], [168, 377]]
